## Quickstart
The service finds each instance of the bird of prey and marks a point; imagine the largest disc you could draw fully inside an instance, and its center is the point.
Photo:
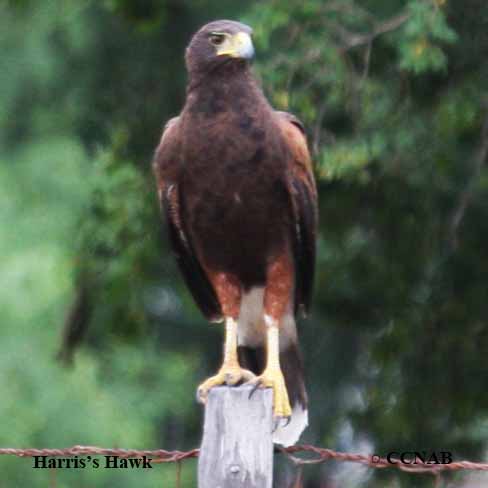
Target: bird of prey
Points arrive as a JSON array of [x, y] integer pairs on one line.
[[236, 187]]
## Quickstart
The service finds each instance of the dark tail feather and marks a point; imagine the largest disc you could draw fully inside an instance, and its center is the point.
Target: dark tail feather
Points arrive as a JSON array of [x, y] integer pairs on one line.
[[292, 367], [254, 359]]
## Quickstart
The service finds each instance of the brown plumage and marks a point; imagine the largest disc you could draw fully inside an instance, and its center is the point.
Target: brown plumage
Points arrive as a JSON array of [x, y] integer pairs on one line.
[[236, 186]]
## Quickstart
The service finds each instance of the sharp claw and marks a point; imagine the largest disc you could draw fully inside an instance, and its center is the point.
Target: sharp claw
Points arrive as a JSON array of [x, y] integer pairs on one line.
[[277, 422], [201, 396], [255, 387]]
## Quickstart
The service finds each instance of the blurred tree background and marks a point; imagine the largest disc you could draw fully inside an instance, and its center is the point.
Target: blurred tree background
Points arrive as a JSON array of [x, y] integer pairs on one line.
[[100, 342]]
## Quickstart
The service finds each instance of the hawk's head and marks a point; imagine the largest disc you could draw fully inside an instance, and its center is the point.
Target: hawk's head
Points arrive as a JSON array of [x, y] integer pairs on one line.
[[217, 43]]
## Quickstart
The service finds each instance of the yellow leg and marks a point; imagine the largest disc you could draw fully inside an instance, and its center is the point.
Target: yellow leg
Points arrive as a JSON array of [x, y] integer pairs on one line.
[[272, 376], [230, 372]]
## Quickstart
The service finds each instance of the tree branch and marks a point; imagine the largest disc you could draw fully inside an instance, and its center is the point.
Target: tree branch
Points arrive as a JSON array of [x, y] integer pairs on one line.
[[467, 194], [353, 39]]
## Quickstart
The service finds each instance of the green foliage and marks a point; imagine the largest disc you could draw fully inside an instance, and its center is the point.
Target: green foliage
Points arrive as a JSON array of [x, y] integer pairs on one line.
[[425, 27], [116, 246], [350, 158]]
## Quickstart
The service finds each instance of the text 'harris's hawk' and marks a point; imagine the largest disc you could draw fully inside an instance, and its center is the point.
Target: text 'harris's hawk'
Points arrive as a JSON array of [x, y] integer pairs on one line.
[[236, 186]]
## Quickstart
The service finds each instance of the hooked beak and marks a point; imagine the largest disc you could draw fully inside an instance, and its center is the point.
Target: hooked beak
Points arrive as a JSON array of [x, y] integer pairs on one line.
[[238, 46]]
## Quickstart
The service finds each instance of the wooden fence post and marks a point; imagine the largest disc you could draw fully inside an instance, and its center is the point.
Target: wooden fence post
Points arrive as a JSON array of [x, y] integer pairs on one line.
[[237, 449]]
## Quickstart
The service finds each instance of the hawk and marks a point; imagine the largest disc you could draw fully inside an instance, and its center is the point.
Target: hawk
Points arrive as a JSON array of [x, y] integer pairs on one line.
[[236, 187]]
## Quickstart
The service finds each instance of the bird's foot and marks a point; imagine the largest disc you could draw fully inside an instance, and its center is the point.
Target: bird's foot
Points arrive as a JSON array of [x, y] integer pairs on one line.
[[273, 378], [228, 374]]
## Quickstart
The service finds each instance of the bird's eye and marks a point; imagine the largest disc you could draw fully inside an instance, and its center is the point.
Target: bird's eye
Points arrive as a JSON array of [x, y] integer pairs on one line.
[[216, 39]]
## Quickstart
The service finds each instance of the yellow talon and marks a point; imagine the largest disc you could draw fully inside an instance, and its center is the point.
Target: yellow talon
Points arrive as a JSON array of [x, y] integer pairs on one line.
[[228, 375], [273, 378]]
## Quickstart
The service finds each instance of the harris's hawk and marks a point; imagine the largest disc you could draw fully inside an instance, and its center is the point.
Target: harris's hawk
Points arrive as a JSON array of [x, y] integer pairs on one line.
[[237, 190]]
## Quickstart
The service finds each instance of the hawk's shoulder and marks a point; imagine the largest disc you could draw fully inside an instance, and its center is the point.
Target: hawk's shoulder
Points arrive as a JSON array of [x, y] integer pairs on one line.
[[167, 156]]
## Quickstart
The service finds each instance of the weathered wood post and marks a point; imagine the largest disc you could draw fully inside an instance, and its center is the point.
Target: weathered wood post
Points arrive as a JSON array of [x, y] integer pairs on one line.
[[237, 449]]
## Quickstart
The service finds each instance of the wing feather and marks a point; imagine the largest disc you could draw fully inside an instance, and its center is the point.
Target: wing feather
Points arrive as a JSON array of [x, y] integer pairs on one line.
[[167, 167], [303, 193]]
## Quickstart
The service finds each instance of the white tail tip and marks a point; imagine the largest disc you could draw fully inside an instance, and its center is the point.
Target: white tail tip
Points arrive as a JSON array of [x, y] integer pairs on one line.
[[289, 434]]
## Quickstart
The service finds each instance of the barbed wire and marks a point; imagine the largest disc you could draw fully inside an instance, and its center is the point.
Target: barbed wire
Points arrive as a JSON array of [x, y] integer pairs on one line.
[[320, 455], [157, 455], [375, 461]]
